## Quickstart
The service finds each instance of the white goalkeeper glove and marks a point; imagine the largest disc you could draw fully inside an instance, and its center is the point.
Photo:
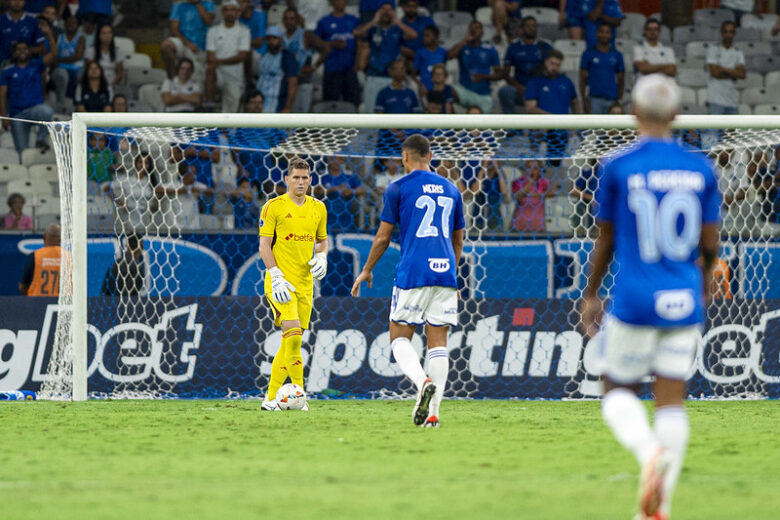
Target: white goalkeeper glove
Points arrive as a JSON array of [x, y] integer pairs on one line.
[[319, 265], [280, 288]]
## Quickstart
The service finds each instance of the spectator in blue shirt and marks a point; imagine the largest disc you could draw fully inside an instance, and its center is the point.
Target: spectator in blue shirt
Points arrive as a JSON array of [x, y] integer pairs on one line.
[[246, 211], [18, 26], [21, 95], [551, 93], [479, 65], [416, 21], [525, 56], [397, 98], [439, 79], [342, 190], [339, 80], [256, 20], [384, 33], [426, 57], [277, 74], [502, 11], [368, 8], [97, 11], [601, 72], [189, 22], [585, 16]]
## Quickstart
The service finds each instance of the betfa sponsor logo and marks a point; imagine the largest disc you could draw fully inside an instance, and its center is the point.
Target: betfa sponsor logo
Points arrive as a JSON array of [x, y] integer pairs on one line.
[[300, 238], [130, 352]]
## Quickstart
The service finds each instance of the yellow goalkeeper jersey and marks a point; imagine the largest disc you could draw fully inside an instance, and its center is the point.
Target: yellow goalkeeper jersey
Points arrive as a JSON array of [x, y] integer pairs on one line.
[[294, 230]]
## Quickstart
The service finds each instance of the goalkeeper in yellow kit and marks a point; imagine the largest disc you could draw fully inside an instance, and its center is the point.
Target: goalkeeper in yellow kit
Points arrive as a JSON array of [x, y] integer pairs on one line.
[[292, 229]]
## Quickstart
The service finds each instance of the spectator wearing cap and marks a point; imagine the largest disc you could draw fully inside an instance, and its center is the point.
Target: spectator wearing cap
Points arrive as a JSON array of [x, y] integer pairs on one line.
[[182, 93], [426, 57], [339, 80], [277, 73], [479, 66], [227, 46], [416, 21], [601, 74], [652, 56], [525, 57], [385, 33], [585, 17], [21, 95], [397, 98], [189, 23], [18, 26], [726, 65], [302, 44]]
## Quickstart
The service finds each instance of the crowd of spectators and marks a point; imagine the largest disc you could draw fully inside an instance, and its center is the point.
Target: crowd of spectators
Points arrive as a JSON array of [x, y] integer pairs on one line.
[[381, 56]]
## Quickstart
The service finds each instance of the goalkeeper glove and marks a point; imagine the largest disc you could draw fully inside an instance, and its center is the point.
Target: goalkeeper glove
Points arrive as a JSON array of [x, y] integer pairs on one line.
[[280, 287], [319, 265]]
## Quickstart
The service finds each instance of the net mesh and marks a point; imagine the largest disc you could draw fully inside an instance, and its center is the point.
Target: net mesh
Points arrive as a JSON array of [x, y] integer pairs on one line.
[[175, 288]]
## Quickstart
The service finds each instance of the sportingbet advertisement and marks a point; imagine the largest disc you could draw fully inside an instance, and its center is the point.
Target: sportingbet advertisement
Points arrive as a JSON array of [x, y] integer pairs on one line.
[[504, 348]]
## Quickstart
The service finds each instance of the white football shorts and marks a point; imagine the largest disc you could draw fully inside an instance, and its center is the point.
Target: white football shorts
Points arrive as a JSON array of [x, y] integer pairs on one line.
[[631, 352], [434, 305]]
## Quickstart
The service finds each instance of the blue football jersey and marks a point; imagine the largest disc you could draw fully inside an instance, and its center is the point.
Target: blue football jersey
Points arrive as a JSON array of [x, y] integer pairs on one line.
[[657, 194], [427, 208]]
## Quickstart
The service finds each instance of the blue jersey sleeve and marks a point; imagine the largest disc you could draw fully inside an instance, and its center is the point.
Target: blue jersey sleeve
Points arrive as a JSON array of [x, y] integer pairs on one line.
[[390, 207], [605, 194], [532, 89], [711, 201], [621, 64], [585, 60], [495, 61], [572, 90]]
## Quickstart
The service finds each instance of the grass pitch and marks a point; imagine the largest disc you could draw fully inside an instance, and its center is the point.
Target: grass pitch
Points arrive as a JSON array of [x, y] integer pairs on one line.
[[365, 460]]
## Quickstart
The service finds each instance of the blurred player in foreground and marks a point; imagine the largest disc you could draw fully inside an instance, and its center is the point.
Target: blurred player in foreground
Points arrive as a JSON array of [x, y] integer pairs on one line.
[[658, 212], [292, 227], [429, 212]]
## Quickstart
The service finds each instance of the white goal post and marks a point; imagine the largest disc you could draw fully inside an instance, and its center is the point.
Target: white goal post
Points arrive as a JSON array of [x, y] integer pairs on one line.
[[82, 121]]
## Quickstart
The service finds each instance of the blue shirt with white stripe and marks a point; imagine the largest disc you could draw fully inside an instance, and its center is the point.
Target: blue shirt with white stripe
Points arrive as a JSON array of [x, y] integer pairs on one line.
[[274, 71]]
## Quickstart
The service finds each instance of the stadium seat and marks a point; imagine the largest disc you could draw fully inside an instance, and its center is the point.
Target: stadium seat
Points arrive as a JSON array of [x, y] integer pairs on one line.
[[451, 18], [747, 35], [150, 94], [137, 76], [666, 35], [692, 78], [485, 15], [697, 49], [9, 172], [693, 33], [752, 79], [336, 107], [761, 64], [9, 156], [137, 59], [758, 96], [772, 80], [354, 10], [124, 46], [488, 31], [701, 96], [33, 187], [32, 156], [557, 214], [693, 109], [6, 140], [753, 48], [542, 14], [455, 33], [134, 105], [767, 109], [46, 172], [745, 110], [275, 13], [761, 22], [100, 223], [712, 17], [47, 205], [625, 45], [688, 96], [43, 221], [690, 63], [633, 25], [552, 32]]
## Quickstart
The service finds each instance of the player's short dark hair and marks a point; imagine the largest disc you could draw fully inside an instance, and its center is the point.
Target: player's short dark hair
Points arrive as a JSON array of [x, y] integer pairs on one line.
[[297, 164], [14, 196], [602, 24], [554, 53], [418, 145], [728, 22], [528, 19], [242, 180], [433, 29], [652, 20]]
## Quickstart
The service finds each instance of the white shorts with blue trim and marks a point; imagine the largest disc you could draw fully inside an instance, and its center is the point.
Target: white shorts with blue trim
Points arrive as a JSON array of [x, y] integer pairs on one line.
[[631, 352], [434, 305]]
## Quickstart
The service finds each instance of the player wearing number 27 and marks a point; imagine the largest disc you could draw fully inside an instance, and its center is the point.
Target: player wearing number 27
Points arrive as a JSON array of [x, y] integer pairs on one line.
[[658, 215], [429, 211], [292, 229]]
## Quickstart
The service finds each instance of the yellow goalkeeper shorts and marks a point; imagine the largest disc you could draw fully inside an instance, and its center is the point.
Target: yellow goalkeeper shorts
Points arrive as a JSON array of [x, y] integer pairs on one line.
[[299, 308]]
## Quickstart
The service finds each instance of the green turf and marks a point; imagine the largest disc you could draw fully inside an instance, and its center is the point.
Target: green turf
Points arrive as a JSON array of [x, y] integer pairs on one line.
[[364, 459]]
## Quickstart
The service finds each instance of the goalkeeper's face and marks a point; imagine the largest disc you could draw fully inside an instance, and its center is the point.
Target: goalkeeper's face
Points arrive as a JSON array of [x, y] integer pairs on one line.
[[298, 182]]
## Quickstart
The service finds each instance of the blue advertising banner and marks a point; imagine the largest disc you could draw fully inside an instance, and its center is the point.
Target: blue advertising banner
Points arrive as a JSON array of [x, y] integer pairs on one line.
[[505, 348]]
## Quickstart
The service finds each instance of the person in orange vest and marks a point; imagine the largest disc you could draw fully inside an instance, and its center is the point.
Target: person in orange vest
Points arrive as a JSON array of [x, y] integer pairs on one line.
[[721, 280], [42, 275]]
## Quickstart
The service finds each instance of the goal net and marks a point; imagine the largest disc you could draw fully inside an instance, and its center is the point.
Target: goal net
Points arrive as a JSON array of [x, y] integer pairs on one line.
[[162, 294]]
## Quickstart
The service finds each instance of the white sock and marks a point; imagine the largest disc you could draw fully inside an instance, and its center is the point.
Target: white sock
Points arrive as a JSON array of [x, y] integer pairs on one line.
[[626, 416], [408, 360], [438, 368], [672, 430]]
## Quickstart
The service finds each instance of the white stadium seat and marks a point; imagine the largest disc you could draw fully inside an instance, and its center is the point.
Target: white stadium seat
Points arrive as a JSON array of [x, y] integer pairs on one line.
[[747, 35], [33, 187], [542, 14], [485, 15], [694, 109], [46, 172], [752, 79], [712, 17], [150, 94], [275, 14], [137, 76], [9, 172], [32, 156], [137, 60], [688, 96], [767, 109], [753, 48], [9, 156], [745, 110], [570, 47], [692, 78], [701, 96], [697, 49], [124, 46], [450, 18], [762, 64], [688, 62], [47, 205], [758, 96], [633, 25], [762, 22], [773, 80], [692, 33]]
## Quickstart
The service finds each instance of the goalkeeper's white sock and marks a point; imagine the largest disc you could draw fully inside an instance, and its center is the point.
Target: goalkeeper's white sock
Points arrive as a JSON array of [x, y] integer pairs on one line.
[[672, 430], [438, 368], [626, 416], [408, 360]]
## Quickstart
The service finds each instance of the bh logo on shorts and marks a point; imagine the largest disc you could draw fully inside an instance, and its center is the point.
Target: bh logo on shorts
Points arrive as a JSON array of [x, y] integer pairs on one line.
[[439, 265]]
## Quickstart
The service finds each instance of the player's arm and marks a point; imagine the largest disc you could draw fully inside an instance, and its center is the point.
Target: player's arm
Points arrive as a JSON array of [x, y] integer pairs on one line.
[[378, 248], [708, 248], [457, 244]]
